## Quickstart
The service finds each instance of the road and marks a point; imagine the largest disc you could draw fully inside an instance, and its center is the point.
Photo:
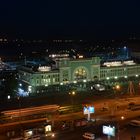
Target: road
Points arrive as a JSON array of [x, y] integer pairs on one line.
[[103, 115]]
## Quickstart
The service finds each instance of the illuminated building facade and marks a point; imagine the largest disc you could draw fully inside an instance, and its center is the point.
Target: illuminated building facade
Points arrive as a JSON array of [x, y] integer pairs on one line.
[[74, 71]]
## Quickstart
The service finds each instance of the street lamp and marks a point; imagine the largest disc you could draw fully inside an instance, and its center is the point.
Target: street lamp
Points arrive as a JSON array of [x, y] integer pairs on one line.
[[121, 118], [20, 84], [8, 97], [117, 87], [72, 93]]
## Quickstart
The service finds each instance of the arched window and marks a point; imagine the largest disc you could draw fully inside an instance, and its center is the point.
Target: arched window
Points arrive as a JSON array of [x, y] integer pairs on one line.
[[80, 74]]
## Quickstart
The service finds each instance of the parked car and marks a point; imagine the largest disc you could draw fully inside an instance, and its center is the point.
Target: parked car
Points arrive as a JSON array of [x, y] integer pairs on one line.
[[105, 109], [99, 87], [89, 136], [134, 123]]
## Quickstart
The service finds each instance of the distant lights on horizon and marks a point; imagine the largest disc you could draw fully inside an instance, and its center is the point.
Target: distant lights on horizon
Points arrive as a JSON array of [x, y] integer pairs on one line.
[[3, 40], [125, 47]]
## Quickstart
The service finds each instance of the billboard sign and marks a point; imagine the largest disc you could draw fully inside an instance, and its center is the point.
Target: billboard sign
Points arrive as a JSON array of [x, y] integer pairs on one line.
[[108, 130], [89, 109]]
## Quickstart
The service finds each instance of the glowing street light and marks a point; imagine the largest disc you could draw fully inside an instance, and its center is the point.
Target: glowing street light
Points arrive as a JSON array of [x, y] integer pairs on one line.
[[116, 77], [30, 89], [125, 76], [84, 80], [72, 93], [61, 83], [107, 78], [8, 97], [122, 117], [117, 87], [20, 84], [74, 82]]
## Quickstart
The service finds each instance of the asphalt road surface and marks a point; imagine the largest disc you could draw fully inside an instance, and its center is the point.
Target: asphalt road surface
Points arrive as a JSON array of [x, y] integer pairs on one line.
[[127, 132]]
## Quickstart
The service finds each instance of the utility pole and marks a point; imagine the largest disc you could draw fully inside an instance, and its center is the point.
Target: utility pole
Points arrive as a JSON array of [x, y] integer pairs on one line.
[[25, 61], [131, 90]]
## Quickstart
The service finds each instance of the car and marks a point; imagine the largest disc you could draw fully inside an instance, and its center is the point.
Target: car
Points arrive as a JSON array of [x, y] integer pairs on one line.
[[105, 109], [50, 134], [34, 137], [131, 104], [88, 135], [99, 87], [134, 123]]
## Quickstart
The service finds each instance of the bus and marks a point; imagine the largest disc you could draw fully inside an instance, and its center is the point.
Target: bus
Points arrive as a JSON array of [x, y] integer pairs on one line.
[[135, 122], [31, 110]]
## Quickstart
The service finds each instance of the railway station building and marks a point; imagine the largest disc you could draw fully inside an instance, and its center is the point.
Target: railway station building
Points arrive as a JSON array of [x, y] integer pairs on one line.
[[73, 71]]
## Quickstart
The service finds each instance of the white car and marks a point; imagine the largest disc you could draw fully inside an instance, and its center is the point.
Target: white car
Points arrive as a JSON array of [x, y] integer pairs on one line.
[[99, 87], [89, 136]]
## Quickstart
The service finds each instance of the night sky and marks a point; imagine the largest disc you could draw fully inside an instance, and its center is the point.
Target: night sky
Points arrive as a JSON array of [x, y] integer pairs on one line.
[[70, 18]]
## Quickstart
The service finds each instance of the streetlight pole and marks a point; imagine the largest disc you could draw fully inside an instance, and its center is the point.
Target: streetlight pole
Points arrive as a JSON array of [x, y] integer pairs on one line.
[[19, 105], [19, 108], [72, 94], [116, 89], [122, 118], [118, 138]]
